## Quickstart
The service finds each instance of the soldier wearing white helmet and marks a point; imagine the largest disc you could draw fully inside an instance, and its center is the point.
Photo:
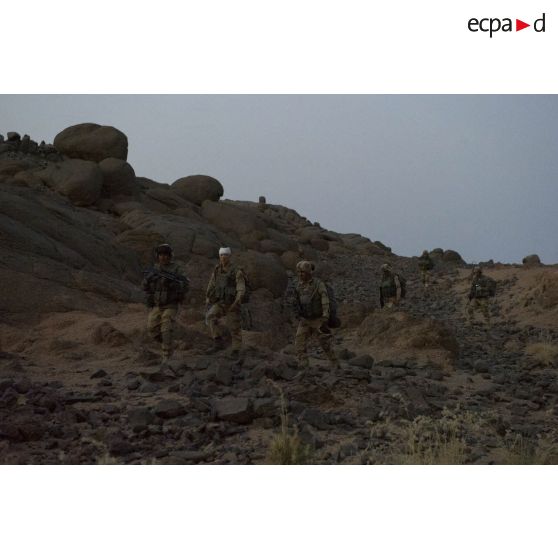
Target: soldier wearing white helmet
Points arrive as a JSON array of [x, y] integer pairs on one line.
[[225, 293]]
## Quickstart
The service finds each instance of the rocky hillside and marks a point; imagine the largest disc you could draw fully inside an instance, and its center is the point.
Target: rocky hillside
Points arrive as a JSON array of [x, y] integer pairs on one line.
[[81, 383]]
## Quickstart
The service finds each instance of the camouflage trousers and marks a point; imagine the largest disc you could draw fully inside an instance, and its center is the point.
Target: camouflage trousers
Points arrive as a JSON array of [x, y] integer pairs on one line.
[[160, 325], [232, 320], [482, 304], [305, 331]]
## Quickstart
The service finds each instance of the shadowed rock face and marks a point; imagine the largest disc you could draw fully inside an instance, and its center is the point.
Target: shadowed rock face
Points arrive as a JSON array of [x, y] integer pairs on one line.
[[80, 181], [77, 228]]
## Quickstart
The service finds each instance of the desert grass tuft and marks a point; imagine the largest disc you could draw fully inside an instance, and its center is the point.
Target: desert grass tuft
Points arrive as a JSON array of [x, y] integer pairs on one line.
[[286, 447], [544, 353]]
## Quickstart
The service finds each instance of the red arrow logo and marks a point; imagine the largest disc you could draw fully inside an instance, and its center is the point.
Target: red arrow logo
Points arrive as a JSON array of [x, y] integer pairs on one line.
[[519, 25]]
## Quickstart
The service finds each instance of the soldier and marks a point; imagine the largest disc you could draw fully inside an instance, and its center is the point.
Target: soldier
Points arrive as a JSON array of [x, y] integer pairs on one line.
[[425, 265], [313, 310], [392, 287], [262, 203], [482, 289], [165, 287], [225, 293]]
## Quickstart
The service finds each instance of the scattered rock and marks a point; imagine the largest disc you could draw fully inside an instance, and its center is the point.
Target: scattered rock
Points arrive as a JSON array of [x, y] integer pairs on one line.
[[169, 408], [141, 417], [186, 456], [233, 409], [133, 384], [363, 361], [480, 366], [119, 178]]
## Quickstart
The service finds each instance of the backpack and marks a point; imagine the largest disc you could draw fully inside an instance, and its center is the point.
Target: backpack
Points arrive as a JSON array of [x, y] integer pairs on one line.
[[333, 321]]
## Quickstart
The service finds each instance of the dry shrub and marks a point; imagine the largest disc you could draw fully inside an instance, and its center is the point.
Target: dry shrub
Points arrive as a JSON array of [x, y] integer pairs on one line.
[[451, 439], [286, 448], [106, 334], [544, 353], [427, 441], [518, 450], [406, 333]]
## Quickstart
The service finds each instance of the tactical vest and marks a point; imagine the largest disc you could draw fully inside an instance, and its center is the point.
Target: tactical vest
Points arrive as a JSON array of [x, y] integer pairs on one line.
[[225, 285], [484, 287], [166, 292], [388, 287], [310, 301]]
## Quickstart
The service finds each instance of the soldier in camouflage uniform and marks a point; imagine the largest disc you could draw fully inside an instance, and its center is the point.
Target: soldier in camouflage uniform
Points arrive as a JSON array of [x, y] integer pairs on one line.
[[224, 295], [391, 287], [425, 265], [482, 289], [312, 309], [164, 294]]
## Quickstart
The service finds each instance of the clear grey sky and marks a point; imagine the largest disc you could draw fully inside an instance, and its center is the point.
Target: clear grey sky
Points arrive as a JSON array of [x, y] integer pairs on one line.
[[478, 174]]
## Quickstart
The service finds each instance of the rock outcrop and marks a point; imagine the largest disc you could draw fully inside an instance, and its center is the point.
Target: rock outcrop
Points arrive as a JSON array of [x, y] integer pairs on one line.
[[199, 188], [92, 142]]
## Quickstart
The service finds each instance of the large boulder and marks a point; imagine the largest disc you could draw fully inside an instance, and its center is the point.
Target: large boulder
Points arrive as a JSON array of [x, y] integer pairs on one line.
[[81, 181], [437, 253], [531, 260], [119, 178], [10, 167], [186, 236], [235, 220], [453, 257], [92, 142], [163, 199], [308, 234], [199, 188], [263, 271], [289, 260]]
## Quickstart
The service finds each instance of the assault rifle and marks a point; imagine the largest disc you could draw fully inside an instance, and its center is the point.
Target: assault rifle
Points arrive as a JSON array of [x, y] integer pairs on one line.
[[152, 273]]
